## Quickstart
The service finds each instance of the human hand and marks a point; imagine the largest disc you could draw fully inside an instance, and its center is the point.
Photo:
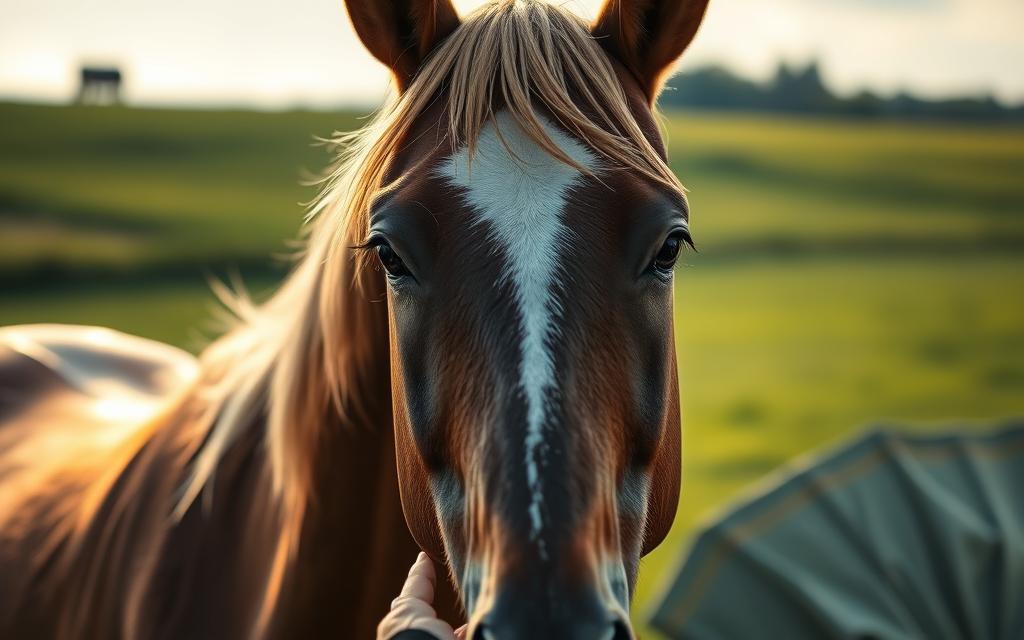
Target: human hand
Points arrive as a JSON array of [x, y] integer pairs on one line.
[[412, 611]]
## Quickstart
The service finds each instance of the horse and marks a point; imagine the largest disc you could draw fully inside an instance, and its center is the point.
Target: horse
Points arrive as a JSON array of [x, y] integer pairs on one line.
[[473, 355]]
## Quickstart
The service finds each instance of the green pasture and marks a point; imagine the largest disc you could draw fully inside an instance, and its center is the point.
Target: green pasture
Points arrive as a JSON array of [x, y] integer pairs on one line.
[[849, 273], [104, 190]]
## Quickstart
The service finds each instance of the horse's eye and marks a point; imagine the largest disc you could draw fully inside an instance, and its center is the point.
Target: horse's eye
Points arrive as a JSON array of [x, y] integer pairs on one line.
[[666, 258], [390, 261]]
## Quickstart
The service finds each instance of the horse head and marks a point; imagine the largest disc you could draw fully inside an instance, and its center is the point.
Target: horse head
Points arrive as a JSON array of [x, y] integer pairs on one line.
[[524, 233]]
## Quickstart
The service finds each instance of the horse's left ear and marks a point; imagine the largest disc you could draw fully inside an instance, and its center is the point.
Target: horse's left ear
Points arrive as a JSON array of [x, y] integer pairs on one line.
[[402, 33], [647, 36]]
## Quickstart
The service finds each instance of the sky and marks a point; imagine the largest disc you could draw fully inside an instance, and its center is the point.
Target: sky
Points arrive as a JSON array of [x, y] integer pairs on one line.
[[304, 53]]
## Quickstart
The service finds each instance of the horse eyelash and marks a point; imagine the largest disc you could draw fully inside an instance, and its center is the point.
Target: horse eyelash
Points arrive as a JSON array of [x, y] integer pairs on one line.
[[369, 244], [689, 241]]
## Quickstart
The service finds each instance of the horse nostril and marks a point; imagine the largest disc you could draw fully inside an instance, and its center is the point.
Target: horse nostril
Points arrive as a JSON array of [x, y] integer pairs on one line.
[[482, 633], [622, 631], [514, 616]]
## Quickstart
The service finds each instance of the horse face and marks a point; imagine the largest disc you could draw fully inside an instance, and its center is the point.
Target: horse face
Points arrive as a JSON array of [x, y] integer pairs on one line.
[[534, 384]]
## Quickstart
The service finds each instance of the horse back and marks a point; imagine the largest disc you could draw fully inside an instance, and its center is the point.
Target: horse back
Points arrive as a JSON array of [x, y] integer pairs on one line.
[[72, 399]]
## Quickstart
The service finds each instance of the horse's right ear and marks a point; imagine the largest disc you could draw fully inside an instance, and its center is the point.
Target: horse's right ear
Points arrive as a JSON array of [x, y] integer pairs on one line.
[[402, 33]]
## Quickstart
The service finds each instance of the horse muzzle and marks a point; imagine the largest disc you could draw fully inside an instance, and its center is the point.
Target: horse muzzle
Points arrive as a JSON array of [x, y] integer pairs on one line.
[[525, 622], [535, 608]]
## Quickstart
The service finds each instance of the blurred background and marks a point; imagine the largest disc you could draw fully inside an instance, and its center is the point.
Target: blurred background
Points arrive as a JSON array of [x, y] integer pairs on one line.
[[856, 174]]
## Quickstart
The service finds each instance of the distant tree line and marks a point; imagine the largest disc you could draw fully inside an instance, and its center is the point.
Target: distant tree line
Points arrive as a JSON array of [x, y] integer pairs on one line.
[[802, 90]]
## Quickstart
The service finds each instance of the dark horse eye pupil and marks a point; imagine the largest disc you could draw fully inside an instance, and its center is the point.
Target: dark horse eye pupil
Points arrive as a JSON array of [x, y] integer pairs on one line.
[[668, 253], [390, 260]]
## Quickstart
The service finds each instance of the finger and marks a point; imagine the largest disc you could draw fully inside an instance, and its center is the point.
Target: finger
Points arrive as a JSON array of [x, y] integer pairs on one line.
[[420, 583], [460, 633], [423, 566]]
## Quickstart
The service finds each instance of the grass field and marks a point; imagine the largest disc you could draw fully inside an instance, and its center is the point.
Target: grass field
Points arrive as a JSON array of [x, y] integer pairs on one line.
[[849, 273]]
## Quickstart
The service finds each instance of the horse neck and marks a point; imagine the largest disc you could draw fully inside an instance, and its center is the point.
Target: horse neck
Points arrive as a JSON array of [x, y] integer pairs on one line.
[[354, 548], [350, 559], [219, 570]]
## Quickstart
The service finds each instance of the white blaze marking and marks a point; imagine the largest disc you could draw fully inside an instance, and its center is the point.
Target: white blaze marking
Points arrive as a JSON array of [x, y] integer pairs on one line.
[[520, 191]]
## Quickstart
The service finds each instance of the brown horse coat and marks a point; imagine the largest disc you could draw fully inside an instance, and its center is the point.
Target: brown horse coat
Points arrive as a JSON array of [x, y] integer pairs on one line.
[[94, 444]]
